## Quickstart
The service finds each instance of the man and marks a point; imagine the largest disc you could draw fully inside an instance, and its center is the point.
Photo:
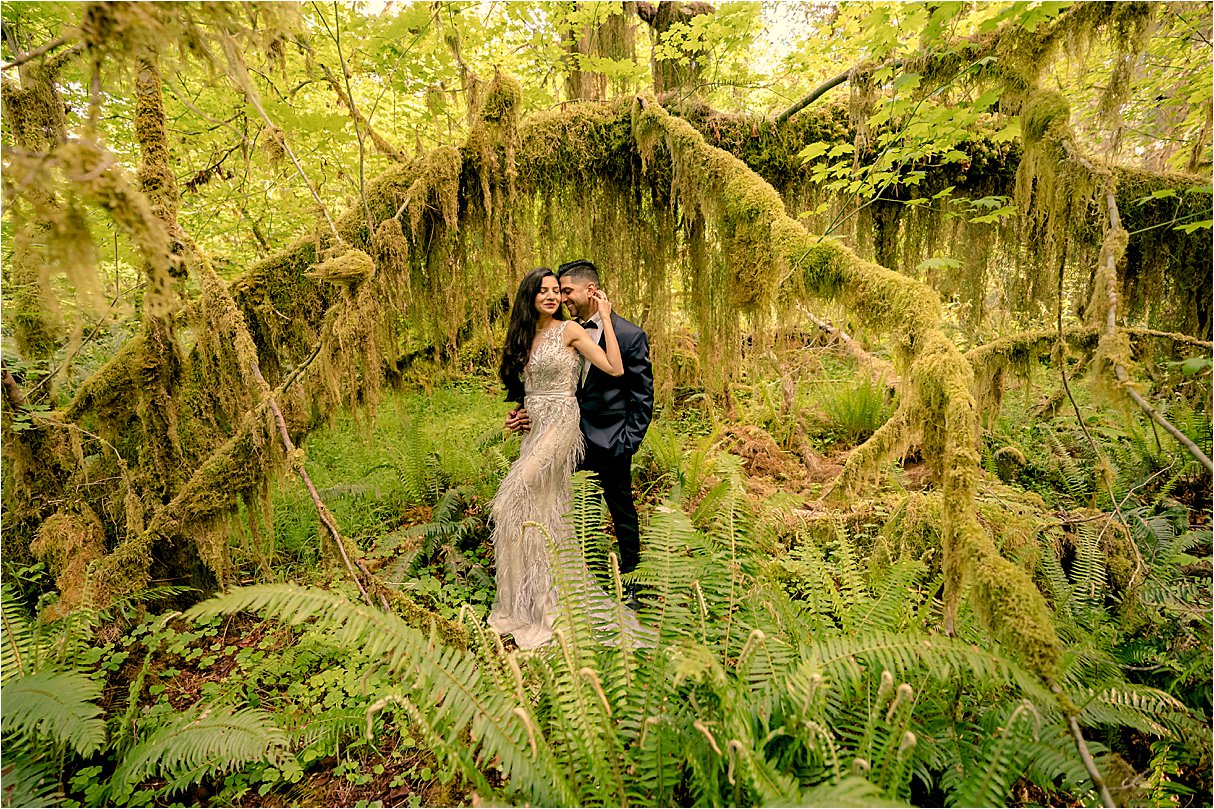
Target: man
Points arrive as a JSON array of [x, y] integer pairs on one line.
[[616, 411]]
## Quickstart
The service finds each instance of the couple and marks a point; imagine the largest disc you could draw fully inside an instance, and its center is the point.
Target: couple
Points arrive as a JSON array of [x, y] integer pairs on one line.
[[586, 390]]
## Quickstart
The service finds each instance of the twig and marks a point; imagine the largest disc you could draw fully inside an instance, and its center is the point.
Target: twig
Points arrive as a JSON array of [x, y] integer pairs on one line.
[[321, 510], [1118, 369], [358, 132], [388, 82], [379, 140], [1077, 734], [35, 53], [1078, 414], [236, 60]]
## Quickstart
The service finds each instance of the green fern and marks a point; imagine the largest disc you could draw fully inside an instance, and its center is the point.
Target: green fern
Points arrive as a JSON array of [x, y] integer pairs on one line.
[[1089, 571], [849, 791], [1076, 479], [18, 638], [195, 746], [59, 707], [27, 784], [448, 684], [987, 779]]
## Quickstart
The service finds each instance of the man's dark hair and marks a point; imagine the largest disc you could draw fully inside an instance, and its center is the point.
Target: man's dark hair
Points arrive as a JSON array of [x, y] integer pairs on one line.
[[580, 269]]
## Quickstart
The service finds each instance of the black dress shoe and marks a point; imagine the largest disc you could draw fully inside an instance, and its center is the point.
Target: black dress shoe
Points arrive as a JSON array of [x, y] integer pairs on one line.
[[630, 598]]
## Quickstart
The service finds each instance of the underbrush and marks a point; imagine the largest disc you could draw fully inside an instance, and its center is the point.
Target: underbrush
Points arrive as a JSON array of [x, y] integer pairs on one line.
[[798, 653]]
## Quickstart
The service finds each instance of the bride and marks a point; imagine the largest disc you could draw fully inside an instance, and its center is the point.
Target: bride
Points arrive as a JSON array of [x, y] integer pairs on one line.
[[541, 368]]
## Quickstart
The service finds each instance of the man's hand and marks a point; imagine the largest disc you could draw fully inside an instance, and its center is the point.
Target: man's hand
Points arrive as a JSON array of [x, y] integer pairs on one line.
[[517, 421]]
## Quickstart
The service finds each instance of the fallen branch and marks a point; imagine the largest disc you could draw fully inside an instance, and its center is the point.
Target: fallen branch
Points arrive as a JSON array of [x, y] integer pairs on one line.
[[321, 509], [819, 91], [883, 368], [1119, 370]]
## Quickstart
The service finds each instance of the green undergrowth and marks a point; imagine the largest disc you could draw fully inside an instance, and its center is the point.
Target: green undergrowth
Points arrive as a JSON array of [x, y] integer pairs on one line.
[[798, 658]]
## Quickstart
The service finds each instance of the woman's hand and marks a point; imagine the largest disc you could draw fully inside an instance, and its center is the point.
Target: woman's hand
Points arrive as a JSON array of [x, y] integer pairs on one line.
[[603, 305]]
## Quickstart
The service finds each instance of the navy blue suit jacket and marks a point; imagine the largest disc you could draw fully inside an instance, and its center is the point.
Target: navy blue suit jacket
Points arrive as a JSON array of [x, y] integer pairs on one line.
[[616, 410]]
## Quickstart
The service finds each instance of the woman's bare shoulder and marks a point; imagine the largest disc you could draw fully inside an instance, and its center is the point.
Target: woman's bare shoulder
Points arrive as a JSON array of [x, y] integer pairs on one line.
[[572, 331]]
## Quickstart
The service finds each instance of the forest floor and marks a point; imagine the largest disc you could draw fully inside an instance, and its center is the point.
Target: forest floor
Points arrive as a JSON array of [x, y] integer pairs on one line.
[[409, 485]]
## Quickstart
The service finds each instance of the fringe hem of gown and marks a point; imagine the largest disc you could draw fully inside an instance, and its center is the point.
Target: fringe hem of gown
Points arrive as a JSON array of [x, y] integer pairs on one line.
[[537, 489]]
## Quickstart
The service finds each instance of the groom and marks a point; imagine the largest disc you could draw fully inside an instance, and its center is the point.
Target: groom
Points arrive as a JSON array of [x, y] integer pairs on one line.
[[615, 410]]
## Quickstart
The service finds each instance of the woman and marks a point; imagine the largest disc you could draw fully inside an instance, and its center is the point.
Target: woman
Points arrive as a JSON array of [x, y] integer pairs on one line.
[[540, 368]]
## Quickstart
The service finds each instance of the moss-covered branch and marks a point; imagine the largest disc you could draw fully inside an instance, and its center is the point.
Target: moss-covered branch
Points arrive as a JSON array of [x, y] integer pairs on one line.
[[771, 251]]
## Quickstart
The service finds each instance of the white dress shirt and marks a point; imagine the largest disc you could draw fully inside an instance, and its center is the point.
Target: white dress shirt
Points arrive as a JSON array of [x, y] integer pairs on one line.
[[594, 328]]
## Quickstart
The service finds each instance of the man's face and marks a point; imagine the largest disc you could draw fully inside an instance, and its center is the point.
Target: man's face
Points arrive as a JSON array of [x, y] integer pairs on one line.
[[575, 292]]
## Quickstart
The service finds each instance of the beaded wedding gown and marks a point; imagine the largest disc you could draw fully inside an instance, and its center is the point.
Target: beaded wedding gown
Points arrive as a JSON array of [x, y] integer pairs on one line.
[[539, 489]]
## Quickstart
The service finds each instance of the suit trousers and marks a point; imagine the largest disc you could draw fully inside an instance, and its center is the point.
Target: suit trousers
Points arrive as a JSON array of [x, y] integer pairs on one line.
[[615, 478]]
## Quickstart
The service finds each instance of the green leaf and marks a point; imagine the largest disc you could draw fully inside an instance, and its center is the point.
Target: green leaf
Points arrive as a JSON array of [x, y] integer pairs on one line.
[[988, 98], [813, 150], [995, 216], [1008, 133], [1194, 226], [938, 262], [1193, 365]]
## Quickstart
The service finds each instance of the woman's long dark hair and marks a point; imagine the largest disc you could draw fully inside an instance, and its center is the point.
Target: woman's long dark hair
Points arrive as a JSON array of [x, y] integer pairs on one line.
[[521, 332]]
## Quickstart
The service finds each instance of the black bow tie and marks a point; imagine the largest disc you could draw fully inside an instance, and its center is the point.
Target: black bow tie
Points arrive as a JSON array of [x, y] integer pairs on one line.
[[589, 324]]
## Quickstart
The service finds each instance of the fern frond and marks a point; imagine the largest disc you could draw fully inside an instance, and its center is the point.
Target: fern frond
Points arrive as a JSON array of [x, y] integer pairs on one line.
[[893, 605], [25, 783], [852, 790], [17, 637], [448, 682], [988, 778], [1077, 480], [1140, 707], [1089, 572], [1052, 756], [196, 746], [840, 657], [59, 706]]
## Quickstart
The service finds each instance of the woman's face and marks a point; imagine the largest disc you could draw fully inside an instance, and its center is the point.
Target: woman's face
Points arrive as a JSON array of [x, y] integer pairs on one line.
[[548, 299]]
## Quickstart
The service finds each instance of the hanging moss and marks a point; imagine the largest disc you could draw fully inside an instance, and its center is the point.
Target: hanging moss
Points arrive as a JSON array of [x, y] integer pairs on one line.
[[347, 267], [68, 541], [104, 184], [1165, 279], [156, 178], [34, 117], [34, 111], [437, 185], [546, 190], [937, 404], [1014, 520]]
